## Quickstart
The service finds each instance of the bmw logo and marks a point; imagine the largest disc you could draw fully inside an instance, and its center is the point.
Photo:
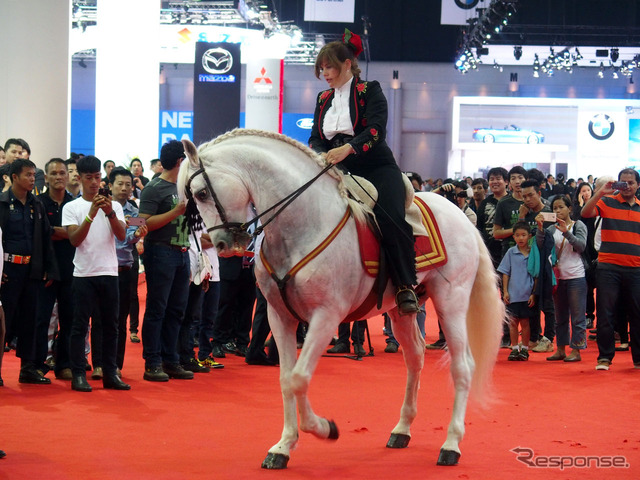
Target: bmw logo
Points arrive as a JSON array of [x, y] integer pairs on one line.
[[467, 4], [601, 127]]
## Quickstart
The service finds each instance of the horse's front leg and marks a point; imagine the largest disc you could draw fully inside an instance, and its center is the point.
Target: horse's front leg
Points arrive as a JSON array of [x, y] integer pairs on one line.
[[322, 326], [284, 333], [408, 335]]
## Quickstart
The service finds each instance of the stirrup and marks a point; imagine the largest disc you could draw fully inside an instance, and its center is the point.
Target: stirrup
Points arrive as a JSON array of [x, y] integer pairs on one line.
[[407, 301]]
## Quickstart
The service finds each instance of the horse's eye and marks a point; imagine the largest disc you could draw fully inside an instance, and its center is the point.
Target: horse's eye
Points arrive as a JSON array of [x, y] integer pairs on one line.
[[202, 194]]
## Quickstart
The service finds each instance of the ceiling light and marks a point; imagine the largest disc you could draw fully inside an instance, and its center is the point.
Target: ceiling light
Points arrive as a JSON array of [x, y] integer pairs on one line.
[[615, 54], [517, 52]]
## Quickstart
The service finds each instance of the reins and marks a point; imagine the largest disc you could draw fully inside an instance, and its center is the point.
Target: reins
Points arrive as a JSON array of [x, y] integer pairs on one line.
[[288, 199], [237, 228]]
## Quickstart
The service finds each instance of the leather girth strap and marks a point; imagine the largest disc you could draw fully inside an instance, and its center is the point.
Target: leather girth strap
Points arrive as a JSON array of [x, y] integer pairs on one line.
[[282, 282]]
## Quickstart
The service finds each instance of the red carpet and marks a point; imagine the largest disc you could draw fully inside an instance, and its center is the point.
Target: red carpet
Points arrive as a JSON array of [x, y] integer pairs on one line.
[[221, 424]]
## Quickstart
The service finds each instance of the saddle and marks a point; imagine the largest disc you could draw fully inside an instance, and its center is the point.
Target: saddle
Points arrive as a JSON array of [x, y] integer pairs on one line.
[[429, 246], [363, 191], [430, 251]]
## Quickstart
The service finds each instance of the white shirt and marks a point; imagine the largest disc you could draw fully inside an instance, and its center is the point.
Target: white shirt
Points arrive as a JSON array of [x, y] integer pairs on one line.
[[338, 118], [209, 252], [96, 255], [569, 264]]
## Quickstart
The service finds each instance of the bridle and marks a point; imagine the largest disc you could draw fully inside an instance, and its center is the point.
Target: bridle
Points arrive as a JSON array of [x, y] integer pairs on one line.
[[239, 231]]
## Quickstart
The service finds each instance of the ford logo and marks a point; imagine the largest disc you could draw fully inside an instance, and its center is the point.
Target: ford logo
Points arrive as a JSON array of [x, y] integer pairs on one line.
[[306, 123]]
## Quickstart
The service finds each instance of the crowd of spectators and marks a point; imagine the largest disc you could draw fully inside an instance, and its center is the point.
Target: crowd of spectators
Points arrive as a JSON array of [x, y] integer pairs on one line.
[[75, 240], [582, 251]]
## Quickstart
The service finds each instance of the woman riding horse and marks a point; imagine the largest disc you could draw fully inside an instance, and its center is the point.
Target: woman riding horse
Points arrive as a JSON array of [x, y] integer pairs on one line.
[[349, 126]]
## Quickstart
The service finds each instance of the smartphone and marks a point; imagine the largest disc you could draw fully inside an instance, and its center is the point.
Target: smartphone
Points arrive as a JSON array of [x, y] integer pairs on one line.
[[620, 185], [548, 216], [105, 192], [137, 221]]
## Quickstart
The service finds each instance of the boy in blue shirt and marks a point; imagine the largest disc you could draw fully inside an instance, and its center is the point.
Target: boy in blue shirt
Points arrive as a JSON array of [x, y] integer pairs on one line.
[[518, 287]]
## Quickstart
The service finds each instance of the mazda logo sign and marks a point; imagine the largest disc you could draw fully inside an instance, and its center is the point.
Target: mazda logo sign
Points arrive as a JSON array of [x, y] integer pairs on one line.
[[217, 60]]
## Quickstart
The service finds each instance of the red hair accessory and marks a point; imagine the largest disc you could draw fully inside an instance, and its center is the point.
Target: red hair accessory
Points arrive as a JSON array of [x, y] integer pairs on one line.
[[354, 40]]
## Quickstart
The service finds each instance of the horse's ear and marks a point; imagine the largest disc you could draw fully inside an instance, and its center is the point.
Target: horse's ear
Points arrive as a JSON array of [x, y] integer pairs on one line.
[[192, 152]]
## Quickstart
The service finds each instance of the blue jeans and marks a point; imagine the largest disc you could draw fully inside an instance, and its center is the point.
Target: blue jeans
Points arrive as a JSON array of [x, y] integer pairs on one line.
[[420, 319], [167, 271], [544, 304], [617, 284], [192, 316], [570, 299]]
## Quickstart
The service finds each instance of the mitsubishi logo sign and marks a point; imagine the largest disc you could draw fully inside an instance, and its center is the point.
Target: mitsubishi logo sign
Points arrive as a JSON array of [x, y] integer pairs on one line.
[[217, 61]]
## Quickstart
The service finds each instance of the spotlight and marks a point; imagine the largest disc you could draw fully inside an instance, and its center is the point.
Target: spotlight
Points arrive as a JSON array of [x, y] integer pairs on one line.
[[601, 72], [578, 55], [615, 54], [536, 66], [517, 52]]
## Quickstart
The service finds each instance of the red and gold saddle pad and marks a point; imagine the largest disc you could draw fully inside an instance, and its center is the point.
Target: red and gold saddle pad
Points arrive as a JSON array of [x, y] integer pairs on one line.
[[430, 251]]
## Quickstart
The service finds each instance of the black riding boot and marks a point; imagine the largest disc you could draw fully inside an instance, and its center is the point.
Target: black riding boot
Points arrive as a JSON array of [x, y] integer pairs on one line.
[[407, 301]]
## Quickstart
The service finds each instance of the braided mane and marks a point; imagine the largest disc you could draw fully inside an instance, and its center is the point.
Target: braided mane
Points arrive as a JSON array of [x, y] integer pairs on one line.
[[359, 210]]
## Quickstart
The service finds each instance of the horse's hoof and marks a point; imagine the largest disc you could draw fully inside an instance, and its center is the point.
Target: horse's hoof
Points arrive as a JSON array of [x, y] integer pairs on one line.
[[448, 457], [333, 430], [275, 461], [398, 440]]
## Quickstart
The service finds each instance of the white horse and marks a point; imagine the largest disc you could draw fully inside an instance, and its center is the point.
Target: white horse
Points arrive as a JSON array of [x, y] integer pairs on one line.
[[244, 166]]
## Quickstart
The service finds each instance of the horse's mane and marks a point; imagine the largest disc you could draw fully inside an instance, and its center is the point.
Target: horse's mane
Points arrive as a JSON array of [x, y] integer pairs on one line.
[[359, 210]]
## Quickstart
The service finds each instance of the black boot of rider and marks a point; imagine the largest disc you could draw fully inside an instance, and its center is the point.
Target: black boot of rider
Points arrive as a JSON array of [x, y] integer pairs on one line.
[[407, 301]]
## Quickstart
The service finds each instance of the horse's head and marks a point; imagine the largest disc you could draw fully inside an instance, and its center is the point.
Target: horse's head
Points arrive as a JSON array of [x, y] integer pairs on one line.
[[220, 196]]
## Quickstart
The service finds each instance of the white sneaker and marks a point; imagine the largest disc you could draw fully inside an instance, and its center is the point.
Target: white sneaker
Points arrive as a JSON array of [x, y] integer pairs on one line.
[[544, 345]]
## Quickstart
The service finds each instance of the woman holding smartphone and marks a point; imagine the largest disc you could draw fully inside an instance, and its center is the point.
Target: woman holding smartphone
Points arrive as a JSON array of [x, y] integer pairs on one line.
[[569, 299]]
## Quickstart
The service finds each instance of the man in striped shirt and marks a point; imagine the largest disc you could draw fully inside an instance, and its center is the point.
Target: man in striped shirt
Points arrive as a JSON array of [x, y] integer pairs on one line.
[[618, 274]]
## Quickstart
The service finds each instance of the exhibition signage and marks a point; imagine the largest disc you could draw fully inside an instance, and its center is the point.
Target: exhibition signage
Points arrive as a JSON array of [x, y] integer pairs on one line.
[[216, 90], [263, 102], [341, 11], [175, 125], [457, 12]]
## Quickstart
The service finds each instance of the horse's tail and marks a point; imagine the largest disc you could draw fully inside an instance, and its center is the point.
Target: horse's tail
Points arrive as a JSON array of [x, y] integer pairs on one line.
[[485, 318]]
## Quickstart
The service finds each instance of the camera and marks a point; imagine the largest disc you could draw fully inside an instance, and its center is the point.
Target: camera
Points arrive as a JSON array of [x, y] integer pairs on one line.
[[620, 185], [104, 191]]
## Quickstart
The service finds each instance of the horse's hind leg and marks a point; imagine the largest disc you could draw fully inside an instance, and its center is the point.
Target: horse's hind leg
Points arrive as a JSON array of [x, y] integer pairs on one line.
[[406, 331], [284, 332], [462, 365]]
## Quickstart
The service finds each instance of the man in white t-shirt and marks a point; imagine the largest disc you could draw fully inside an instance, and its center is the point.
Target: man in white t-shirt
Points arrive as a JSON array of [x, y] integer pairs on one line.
[[92, 221]]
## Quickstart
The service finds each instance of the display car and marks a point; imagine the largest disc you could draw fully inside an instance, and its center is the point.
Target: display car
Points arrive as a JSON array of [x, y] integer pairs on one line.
[[508, 134]]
